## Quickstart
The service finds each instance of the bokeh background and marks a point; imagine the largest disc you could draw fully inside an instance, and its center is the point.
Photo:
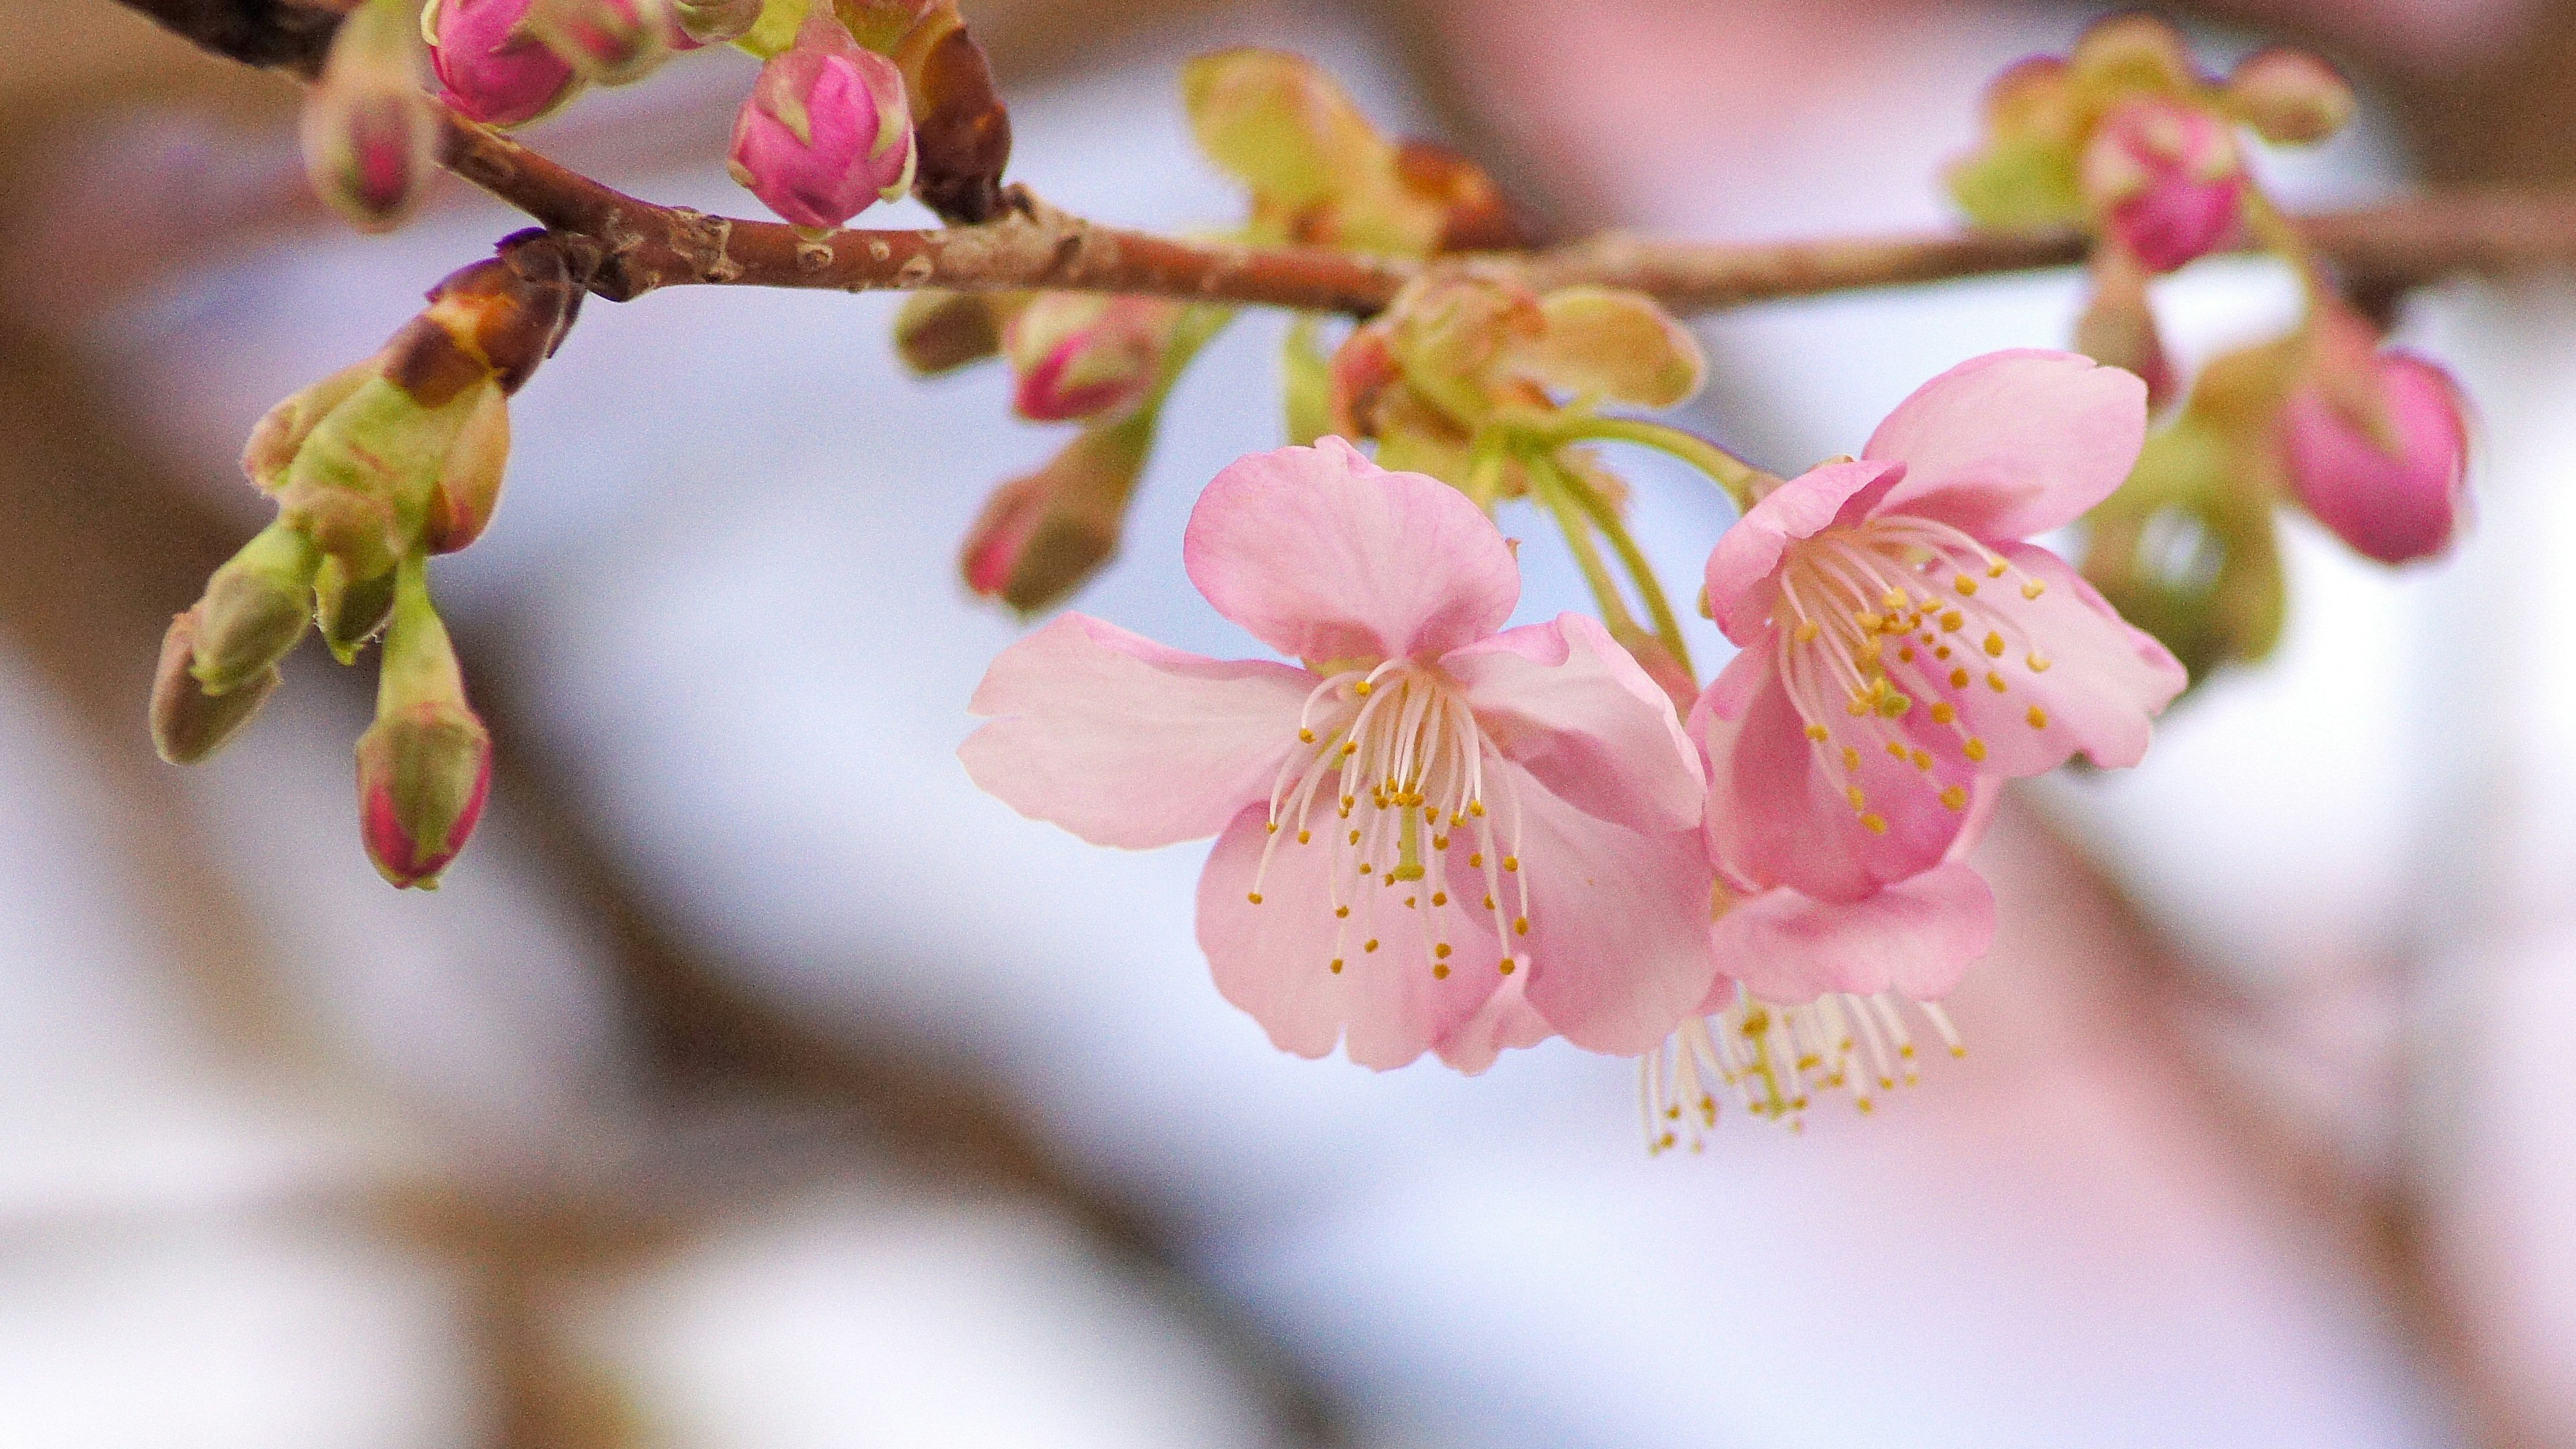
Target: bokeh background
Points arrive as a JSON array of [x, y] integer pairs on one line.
[[754, 1083]]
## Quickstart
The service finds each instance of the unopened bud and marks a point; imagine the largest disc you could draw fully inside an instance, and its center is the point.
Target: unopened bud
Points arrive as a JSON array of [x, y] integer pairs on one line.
[[2133, 52], [609, 42], [369, 132], [1363, 371], [350, 610], [826, 130], [2188, 550], [255, 608], [2289, 97], [1082, 354], [2393, 491], [2165, 179], [938, 331], [1278, 124], [1041, 536], [469, 478], [1606, 343], [961, 131], [716, 22], [423, 773], [425, 765], [489, 67], [280, 433], [188, 724]]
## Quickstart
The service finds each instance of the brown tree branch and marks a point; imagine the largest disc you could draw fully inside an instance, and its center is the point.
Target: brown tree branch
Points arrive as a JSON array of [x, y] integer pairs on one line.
[[1034, 246], [645, 246]]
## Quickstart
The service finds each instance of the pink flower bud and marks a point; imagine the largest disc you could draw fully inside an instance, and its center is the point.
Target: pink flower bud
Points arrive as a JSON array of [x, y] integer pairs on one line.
[[491, 70], [423, 772], [1043, 534], [612, 42], [826, 129], [2165, 179], [2395, 496], [1082, 355], [369, 132]]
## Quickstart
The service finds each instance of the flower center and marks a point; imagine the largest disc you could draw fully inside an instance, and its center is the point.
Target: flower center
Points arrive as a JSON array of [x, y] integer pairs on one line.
[[1886, 628], [1774, 1058], [1391, 780]]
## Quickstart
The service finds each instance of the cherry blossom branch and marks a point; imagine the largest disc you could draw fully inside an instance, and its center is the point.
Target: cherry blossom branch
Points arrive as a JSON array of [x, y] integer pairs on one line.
[[1035, 246], [643, 246]]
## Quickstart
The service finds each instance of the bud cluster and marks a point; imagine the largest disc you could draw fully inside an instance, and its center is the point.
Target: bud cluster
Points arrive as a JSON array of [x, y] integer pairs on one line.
[[373, 469], [1318, 174], [2128, 138]]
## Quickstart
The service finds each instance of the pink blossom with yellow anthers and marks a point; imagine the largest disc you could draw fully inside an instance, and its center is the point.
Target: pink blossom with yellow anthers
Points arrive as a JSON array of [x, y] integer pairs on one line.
[[1902, 643], [1435, 834]]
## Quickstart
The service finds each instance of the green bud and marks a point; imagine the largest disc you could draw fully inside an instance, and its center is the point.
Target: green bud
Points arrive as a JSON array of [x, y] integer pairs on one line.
[[425, 765], [937, 331], [350, 611], [2187, 549], [1622, 346], [188, 724], [255, 608]]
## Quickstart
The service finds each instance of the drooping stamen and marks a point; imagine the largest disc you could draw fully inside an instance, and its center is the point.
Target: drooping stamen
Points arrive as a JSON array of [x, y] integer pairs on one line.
[[1776, 1058]]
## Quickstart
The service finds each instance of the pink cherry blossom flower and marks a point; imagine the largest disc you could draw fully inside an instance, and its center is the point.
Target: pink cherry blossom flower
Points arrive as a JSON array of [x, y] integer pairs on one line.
[[1811, 994], [2166, 179], [489, 68], [826, 130], [1900, 644], [1435, 835], [2394, 498]]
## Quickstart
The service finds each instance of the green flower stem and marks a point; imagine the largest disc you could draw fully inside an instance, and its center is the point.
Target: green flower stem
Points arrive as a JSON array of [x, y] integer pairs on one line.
[[2282, 239], [1728, 471], [419, 664], [1550, 487], [1579, 510], [1606, 518]]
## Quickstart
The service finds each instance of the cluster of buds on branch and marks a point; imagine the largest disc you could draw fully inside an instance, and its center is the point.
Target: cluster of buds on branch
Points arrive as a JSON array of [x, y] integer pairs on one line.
[[857, 101], [374, 469], [2127, 138], [1434, 834], [1319, 174]]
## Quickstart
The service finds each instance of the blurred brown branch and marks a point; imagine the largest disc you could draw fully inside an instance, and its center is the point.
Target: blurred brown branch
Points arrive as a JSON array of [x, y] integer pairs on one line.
[[645, 246]]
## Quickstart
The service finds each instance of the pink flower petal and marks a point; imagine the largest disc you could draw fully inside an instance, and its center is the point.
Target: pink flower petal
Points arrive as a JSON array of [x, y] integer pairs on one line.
[[1274, 959], [1779, 808], [1740, 568], [2104, 683], [1566, 703], [1324, 555], [2013, 443], [1505, 1021], [1616, 949], [1126, 742], [1916, 937]]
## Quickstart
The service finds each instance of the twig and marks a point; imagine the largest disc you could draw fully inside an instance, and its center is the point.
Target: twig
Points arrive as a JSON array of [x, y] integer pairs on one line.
[[1034, 246]]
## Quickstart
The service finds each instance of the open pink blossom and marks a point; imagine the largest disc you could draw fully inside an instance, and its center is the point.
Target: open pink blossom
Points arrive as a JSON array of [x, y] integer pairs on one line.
[[1433, 836], [1812, 994], [1900, 642]]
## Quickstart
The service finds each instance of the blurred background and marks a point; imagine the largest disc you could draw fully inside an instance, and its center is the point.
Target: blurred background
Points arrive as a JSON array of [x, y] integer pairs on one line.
[[754, 1083]]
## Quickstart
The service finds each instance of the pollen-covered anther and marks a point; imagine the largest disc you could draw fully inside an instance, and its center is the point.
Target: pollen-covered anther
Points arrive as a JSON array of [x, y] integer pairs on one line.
[[1773, 1059]]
